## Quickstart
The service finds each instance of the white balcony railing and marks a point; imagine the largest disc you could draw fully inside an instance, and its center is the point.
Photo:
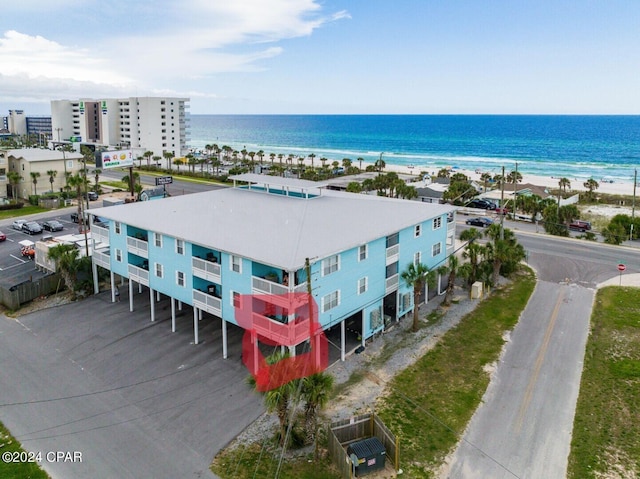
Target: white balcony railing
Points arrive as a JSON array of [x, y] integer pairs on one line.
[[102, 259], [281, 333], [205, 269], [100, 234], [393, 254], [391, 283], [264, 286], [139, 275], [209, 303], [137, 247]]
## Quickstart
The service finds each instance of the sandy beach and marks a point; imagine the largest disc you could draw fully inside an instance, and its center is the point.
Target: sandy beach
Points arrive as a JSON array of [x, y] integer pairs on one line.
[[577, 185]]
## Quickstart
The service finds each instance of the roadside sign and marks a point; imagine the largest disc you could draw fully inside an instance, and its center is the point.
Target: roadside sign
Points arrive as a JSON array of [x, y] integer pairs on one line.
[[621, 267], [164, 180]]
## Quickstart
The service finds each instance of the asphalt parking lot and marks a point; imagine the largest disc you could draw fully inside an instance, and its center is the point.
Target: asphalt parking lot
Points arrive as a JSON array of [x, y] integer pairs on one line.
[[135, 399]]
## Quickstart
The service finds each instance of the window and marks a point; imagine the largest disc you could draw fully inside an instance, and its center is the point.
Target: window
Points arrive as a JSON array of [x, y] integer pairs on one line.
[[180, 278], [417, 231], [179, 246], [236, 263], [157, 238], [118, 228], [450, 240], [362, 285], [159, 270], [330, 301], [363, 252], [235, 299], [436, 249], [417, 258], [393, 240], [437, 222], [119, 255], [330, 265]]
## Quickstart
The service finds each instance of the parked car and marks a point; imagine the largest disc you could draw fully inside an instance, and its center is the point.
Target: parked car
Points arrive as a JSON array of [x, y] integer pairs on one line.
[[481, 204], [74, 217], [53, 225], [92, 195], [579, 225], [2, 236], [480, 221], [502, 211], [32, 228], [17, 224]]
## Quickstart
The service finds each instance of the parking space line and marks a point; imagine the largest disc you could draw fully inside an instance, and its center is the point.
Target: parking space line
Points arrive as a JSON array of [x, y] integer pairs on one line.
[[19, 259]]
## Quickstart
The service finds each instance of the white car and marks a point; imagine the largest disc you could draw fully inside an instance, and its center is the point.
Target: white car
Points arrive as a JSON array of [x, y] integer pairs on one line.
[[17, 224]]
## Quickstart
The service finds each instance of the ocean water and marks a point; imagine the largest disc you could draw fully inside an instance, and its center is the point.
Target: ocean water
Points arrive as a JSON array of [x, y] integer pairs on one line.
[[577, 147]]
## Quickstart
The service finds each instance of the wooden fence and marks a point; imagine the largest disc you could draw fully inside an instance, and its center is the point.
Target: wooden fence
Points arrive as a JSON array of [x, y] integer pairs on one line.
[[342, 433], [28, 290]]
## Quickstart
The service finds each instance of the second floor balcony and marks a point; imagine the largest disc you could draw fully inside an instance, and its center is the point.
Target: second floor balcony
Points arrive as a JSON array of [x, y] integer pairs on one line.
[[391, 283], [393, 253], [207, 302], [102, 258], [138, 274], [100, 234], [287, 334]]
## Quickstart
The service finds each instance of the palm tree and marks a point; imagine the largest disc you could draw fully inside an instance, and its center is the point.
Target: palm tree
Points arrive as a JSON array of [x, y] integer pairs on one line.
[[473, 252], [453, 266], [96, 175], [279, 398], [360, 160], [52, 176], [416, 277], [324, 160], [156, 160], [380, 164], [168, 156], [591, 185], [315, 392], [14, 178], [66, 258], [346, 163], [564, 183], [312, 156], [485, 178], [504, 249], [78, 182], [148, 154], [34, 178]]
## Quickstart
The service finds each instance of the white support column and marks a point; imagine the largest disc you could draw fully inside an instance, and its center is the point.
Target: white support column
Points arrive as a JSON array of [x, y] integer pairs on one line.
[[94, 270], [121, 280], [152, 304], [224, 339], [199, 315], [113, 286], [362, 329], [130, 295], [179, 305], [254, 339], [342, 341], [292, 351], [139, 288], [195, 325], [173, 315], [158, 296]]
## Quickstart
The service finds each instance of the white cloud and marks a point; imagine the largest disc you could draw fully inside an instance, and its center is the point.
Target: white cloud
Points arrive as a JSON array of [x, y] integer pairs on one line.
[[164, 44]]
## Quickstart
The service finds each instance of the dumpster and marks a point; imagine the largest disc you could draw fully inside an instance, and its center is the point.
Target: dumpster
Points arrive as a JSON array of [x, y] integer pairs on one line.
[[367, 455]]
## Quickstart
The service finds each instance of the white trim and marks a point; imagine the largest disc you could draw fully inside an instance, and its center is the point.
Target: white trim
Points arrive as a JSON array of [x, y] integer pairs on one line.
[[118, 255], [184, 279], [366, 285], [437, 222], [156, 270], [328, 264], [417, 258], [417, 230], [366, 252], [180, 245], [335, 293], [232, 257], [433, 249], [157, 240]]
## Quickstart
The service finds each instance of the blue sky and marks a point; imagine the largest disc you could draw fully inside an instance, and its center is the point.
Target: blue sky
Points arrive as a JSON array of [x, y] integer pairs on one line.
[[327, 56]]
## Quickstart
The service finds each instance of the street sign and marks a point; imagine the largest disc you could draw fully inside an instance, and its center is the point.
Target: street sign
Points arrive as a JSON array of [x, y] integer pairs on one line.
[[621, 267], [164, 180]]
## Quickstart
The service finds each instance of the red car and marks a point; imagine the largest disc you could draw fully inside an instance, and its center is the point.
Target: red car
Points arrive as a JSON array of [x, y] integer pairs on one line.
[[2, 236]]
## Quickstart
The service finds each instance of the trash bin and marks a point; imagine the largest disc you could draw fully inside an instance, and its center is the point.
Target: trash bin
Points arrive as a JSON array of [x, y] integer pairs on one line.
[[370, 455]]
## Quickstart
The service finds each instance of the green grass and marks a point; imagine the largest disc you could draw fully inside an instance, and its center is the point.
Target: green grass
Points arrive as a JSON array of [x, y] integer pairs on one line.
[[447, 383], [24, 211], [606, 429], [20, 470], [429, 404], [253, 461], [116, 184]]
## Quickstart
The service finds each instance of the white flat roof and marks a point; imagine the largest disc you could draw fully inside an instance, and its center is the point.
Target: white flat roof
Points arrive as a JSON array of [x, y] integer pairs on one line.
[[274, 229], [41, 154], [270, 181]]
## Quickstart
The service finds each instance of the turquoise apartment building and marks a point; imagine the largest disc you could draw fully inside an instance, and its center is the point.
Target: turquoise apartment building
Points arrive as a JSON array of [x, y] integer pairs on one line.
[[209, 250]]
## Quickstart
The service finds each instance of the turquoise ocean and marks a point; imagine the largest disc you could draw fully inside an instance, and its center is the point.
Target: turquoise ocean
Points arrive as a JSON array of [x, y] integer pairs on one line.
[[578, 147]]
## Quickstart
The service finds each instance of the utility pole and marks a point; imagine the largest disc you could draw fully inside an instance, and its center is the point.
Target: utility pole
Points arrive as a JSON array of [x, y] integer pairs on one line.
[[502, 205], [633, 204]]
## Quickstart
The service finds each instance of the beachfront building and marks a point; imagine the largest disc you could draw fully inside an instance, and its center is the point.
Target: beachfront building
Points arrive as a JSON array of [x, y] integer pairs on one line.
[[158, 124], [25, 161], [272, 238]]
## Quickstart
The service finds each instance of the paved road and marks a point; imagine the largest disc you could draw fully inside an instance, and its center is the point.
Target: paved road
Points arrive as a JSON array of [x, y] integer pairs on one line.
[[135, 399], [523, 427]]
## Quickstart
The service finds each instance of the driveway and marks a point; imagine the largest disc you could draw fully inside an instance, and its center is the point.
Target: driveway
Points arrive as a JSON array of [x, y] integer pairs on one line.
[[134, 399]]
